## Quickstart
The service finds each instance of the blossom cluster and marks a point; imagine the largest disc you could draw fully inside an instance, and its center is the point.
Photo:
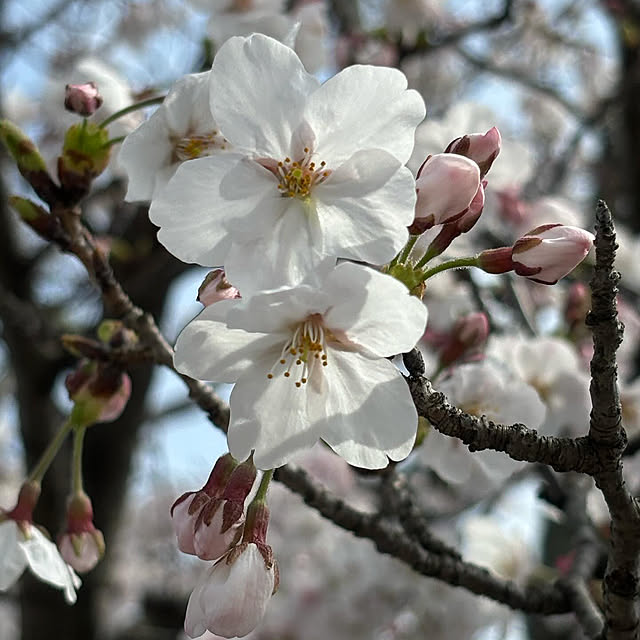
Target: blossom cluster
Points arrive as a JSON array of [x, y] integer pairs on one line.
[[289, 188], [276, 192]]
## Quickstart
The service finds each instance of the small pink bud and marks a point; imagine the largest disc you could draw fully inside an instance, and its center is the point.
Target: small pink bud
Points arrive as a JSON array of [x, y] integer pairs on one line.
[[469, 333], [81, 545], [220, 521], [482, 148], [99, 390], [187, 510], [216, 287], [550, 252], [447, 185], [83, 99]]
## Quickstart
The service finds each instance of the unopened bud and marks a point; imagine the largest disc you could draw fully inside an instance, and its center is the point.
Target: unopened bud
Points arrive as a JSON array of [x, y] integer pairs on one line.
[[100, 392], [28, 160], [550, 252], [446, 186], [83, 99], [216, 287], [81, 545], [482, 148], [85, 155]]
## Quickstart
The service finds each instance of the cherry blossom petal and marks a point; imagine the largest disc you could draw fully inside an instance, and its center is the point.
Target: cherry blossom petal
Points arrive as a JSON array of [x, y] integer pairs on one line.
[[276, 431], [368, 310], [208, 350], [48, 565], [365, 107], [187, 105], [276, 311], [256, 187], [369, 228], [359, 391], [143, 151], [285, 254], [258, 90], [187, 212], [13, 560]]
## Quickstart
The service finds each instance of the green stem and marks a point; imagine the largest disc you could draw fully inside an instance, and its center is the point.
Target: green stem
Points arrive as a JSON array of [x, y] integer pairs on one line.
[[76, 464], [132, 107], [404, 254], [457, 263], [110, 143], [429, 255], [261, 494], [50, 452]]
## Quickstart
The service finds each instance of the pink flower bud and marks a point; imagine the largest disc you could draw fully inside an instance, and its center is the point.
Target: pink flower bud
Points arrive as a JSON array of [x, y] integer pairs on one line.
[[446, 184], [187, 509], [482, 148], [83, 99], [550, 252], [99, 390], [231, 597], [81, 545], [216, 287], [469, 333], [219, 524]]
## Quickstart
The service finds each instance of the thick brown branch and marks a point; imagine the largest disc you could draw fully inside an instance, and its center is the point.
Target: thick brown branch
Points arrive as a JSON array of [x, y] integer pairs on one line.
[[606, 433]]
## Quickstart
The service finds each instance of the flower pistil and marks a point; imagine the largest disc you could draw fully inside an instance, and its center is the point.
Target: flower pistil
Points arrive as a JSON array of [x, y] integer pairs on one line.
[[307, 348], [298, 177]]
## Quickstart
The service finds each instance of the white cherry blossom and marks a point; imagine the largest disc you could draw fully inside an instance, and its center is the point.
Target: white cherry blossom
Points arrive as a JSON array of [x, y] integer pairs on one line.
[[181, 129], [320, 172], [320, 356], [30, 548]]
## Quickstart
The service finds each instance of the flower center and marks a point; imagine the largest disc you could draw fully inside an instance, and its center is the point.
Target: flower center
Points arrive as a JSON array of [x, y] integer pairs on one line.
[[305, 350], [198, 146], [297, 178]]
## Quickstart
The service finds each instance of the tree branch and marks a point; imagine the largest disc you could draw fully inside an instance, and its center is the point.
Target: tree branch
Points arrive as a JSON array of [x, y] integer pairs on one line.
[[518, 441], [606, 432], [541, 599]]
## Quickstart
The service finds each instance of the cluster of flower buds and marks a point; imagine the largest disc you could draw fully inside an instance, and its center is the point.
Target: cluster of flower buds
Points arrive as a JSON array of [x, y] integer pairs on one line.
[[450, 188], [231, 597]]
